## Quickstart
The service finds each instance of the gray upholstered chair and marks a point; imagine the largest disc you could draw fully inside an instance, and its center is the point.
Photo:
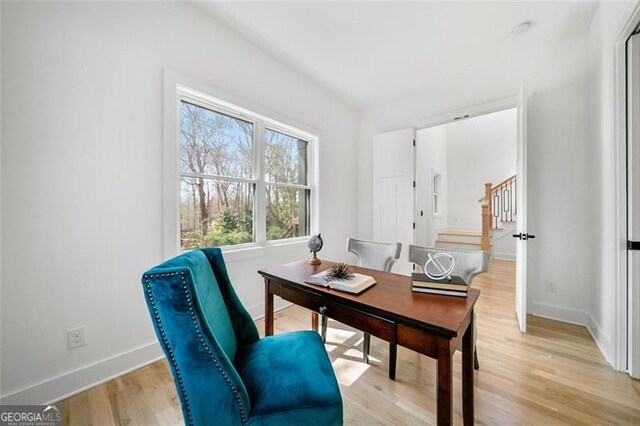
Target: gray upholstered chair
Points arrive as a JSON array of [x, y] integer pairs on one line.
[[468, 264], [372, 255]]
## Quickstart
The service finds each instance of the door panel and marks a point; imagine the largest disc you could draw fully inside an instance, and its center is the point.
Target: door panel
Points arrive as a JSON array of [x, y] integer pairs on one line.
[[633, 203], [521, 224], [393, 198]]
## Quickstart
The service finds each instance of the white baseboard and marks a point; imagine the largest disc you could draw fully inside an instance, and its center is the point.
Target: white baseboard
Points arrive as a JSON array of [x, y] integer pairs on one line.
[[68, 384], [76, 381], [559, 313], [257, 311], [504, 256], [601, 339], [578, 317]]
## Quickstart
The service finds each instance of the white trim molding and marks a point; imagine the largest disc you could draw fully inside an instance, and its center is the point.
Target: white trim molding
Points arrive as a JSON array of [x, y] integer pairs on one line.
[[73, 382], [577, 317], [178, 87], [504, 256], [617, 355], [601, 339], [559, 313]]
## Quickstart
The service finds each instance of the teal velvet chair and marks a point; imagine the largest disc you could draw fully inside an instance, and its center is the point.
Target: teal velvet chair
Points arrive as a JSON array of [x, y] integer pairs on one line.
[[224, 373]]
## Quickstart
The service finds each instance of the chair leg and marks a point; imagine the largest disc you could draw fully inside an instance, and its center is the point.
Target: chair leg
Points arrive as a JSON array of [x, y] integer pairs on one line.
[[393, 355], [476, 364], [323, 328], [366, 345]]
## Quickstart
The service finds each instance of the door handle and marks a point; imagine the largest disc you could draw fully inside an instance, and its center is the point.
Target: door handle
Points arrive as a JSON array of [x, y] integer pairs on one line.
[[524, 236]]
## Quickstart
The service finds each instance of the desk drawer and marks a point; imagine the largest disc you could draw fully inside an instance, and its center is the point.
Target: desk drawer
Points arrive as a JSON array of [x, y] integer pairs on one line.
[[363, 321]]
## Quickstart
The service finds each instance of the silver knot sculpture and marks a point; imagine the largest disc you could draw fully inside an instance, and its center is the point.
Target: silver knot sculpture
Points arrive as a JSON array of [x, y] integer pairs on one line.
[[436, 270]]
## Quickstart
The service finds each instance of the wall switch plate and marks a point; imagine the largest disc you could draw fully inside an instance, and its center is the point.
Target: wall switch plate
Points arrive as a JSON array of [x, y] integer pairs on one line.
[[551, 287], [77, 337]]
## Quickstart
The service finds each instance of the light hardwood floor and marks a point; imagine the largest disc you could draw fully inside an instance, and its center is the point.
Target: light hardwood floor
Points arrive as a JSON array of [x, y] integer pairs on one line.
[[553, 374]]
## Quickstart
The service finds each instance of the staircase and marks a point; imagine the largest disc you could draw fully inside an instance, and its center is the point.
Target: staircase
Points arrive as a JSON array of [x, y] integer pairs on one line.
[[499, 210], [465, 240]]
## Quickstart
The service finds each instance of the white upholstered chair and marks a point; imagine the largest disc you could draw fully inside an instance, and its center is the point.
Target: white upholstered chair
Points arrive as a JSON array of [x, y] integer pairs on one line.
[[379, 256], [468, 264]]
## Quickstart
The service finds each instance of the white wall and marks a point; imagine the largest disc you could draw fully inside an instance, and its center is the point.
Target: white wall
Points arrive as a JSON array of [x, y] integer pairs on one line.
[[1, 101], [479, 150], [431, 155], [560, 163], [81, 176], [605, 29]]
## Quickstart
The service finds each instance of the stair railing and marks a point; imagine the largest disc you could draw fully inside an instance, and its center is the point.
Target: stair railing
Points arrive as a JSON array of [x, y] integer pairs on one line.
[[499, 204]]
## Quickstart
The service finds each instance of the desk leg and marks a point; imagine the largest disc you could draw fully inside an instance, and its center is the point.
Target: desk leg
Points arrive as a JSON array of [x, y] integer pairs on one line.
[[445, 380], [268, 309], [468, 350], [314, 321]]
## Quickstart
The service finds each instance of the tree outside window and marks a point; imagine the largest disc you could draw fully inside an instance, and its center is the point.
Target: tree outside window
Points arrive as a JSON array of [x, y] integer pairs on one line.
[[219, 154]]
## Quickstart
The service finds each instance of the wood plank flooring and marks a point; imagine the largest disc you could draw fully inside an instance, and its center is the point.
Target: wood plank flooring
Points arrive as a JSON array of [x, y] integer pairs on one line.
[[553, 374]]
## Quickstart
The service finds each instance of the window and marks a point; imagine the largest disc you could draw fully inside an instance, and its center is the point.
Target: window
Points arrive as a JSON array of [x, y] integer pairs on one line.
[[286, 185], [437, 182], [243, 178]]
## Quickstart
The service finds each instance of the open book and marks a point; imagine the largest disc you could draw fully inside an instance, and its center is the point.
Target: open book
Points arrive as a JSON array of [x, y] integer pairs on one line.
[[356, 284]]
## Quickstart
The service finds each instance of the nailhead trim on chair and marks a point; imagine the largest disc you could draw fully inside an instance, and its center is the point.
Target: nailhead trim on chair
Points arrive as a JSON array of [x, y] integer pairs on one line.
[[183, 279]]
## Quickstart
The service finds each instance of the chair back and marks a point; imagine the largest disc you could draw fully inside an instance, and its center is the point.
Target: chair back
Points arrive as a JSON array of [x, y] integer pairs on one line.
[[468, 264], [372, 255], [201, 324]]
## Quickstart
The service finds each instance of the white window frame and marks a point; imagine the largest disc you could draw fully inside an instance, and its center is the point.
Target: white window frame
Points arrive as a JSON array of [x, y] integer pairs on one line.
[[436, 193], [179, 88]]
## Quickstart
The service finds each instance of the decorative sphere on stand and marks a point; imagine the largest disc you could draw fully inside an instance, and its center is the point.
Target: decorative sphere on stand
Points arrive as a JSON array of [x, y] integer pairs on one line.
[[315, 245]]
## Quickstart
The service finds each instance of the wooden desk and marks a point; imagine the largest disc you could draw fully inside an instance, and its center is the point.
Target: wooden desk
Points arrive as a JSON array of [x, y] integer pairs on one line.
[[429, 324]]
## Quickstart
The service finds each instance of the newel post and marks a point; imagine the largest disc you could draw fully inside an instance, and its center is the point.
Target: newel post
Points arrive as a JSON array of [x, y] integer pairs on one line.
[[485, 242]]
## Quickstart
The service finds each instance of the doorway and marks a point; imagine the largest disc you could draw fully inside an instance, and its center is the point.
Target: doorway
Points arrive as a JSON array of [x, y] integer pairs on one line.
[[454, 163], [398, 166]]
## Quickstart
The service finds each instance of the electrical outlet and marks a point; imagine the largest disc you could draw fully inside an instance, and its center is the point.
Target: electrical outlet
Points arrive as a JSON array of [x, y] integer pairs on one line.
[[551, 287], [77, 337]]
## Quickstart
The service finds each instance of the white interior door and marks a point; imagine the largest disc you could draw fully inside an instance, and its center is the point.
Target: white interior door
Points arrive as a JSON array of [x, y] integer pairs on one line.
[[393, 192], [633, 205], [521, 223]]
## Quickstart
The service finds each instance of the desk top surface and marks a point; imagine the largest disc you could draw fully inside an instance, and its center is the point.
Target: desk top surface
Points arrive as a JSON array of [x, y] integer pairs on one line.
[[390, 298]]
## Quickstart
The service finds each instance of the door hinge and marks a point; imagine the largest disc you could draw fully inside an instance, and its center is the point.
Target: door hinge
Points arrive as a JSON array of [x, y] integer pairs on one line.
[[414, 225], [633, 245], [414, 142], [414, 183]]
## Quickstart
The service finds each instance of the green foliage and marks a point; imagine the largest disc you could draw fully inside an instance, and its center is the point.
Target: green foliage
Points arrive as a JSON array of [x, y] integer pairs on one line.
[[229, 228], [227, 220], [245, 222], [215, 239], [274, 233]]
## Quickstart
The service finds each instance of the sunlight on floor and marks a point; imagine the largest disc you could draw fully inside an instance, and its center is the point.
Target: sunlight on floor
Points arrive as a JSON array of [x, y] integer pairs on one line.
[[347, 371], [335, 335], [355, 353]]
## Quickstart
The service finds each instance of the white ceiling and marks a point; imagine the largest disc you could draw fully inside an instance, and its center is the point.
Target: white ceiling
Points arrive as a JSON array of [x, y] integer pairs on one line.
[[369, 53]]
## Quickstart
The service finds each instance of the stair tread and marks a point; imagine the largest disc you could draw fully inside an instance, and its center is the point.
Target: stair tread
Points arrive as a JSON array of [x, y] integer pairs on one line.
[[457, 242], [462, 233]]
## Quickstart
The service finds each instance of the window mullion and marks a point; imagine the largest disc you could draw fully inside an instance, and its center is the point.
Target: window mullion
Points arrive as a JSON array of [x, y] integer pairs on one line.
[[260, 219]]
